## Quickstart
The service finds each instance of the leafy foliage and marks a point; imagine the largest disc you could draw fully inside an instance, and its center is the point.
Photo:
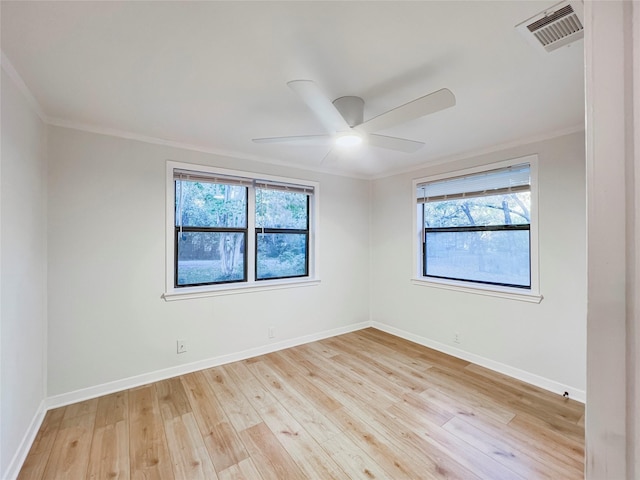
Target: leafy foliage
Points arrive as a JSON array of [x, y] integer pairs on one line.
[[510, 209], [204, 204], [207, 256], [194, 272], [500, 257], [281, 255], [280, 209]]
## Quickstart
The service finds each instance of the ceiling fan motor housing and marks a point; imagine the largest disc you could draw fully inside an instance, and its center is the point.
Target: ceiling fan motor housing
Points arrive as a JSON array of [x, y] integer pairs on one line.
[[344, 123], [351, 108]]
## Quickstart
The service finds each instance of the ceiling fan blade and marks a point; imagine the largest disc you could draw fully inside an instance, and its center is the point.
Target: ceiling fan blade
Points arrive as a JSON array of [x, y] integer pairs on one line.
[[330, 157], [308, 140], [394, 143], [417, 108], [320, 105]]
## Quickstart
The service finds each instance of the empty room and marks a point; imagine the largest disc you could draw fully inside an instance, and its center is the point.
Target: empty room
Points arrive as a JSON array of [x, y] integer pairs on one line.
[[313, 240]]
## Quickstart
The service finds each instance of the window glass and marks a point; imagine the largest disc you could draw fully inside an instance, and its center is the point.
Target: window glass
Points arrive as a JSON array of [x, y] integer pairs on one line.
[[497, 257], [281, 209], [211, 229], [510, 209], [282, 234], [476, 227], [281, 255], [237, 227], [204, 204], [209, 257]]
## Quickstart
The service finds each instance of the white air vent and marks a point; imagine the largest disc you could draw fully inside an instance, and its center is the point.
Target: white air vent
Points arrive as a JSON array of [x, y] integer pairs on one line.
[[556, 27]]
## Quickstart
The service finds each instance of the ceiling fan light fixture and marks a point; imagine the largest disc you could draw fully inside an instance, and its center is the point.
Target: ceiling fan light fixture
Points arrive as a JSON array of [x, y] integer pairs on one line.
[[343, 119], [348, 140]]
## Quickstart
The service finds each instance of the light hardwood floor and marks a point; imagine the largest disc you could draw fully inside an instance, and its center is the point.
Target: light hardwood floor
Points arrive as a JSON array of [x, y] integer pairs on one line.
[[362, 405]]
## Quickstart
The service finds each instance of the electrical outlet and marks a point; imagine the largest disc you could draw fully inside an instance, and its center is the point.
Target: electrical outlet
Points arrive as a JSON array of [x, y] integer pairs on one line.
[[181, 346], [272, 332], [456, 337]]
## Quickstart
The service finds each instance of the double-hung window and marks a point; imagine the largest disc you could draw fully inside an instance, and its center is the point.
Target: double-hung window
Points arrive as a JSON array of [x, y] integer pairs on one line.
[[210, 229], [282, 231], [477, 228], [231, 230]]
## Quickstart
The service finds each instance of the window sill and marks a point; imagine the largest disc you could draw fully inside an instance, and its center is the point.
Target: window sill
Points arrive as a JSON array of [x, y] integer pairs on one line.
[[235, 288], [488, 290]]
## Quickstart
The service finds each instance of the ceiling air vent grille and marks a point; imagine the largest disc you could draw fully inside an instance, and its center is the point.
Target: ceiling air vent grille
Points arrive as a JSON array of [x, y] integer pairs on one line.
[[555, 27]]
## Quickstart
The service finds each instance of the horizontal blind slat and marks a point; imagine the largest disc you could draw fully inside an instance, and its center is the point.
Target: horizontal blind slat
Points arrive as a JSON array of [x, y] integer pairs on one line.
[[191, 176], [491, 182], [484, 193], [285, 187]]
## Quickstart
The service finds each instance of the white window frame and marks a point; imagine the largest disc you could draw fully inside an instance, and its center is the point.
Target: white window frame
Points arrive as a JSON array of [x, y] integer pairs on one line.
[[531, 294], [251, 285]]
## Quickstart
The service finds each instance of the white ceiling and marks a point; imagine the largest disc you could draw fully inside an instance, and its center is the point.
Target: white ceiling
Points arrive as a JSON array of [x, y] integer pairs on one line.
[[213, 75]]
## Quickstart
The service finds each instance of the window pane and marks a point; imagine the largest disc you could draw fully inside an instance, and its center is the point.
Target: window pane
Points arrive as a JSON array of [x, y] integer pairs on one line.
[[278, 209], [500, 257], [203, 204], [281, 255], [210, 257], [509, 209]]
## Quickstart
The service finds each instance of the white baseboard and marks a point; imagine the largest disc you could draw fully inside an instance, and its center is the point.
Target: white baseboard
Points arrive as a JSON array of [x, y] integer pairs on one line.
[[25, 445], [531, 378], [138, 380]]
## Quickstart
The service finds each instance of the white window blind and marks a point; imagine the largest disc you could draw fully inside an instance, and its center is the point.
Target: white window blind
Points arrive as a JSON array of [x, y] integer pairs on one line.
[[191, 176], [501, 181], [284, 187]]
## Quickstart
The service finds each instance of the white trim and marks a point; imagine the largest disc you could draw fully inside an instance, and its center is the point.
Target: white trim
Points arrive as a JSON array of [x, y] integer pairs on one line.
[[114, 132], [235, 288], [135, 381], [64, 399], [529, 295], [8, 67], [634, 254], [158, 375], [523, 142], [479, 289], [523, 375], [27, 441], [251, 285]]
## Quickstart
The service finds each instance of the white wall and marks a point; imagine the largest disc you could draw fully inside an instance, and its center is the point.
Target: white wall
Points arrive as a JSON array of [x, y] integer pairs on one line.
[[547, 340], [23, 261], [107, 320]]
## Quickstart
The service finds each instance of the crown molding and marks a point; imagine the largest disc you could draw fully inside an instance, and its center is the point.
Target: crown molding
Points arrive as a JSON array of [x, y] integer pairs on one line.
[[11, 71], [8, 67], [113, 132], [482, 151]]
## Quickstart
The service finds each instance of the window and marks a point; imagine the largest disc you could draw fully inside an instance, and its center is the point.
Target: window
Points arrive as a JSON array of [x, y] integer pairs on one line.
[[231, 230], [282, 233], [477, 228], [210, 230]]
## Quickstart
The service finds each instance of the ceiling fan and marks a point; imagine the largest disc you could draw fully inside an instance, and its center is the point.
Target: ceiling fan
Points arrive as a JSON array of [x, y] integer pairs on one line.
[[343, 119]]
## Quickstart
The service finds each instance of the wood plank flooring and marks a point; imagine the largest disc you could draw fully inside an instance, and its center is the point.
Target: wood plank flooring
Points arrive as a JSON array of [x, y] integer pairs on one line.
[[365, 405]]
